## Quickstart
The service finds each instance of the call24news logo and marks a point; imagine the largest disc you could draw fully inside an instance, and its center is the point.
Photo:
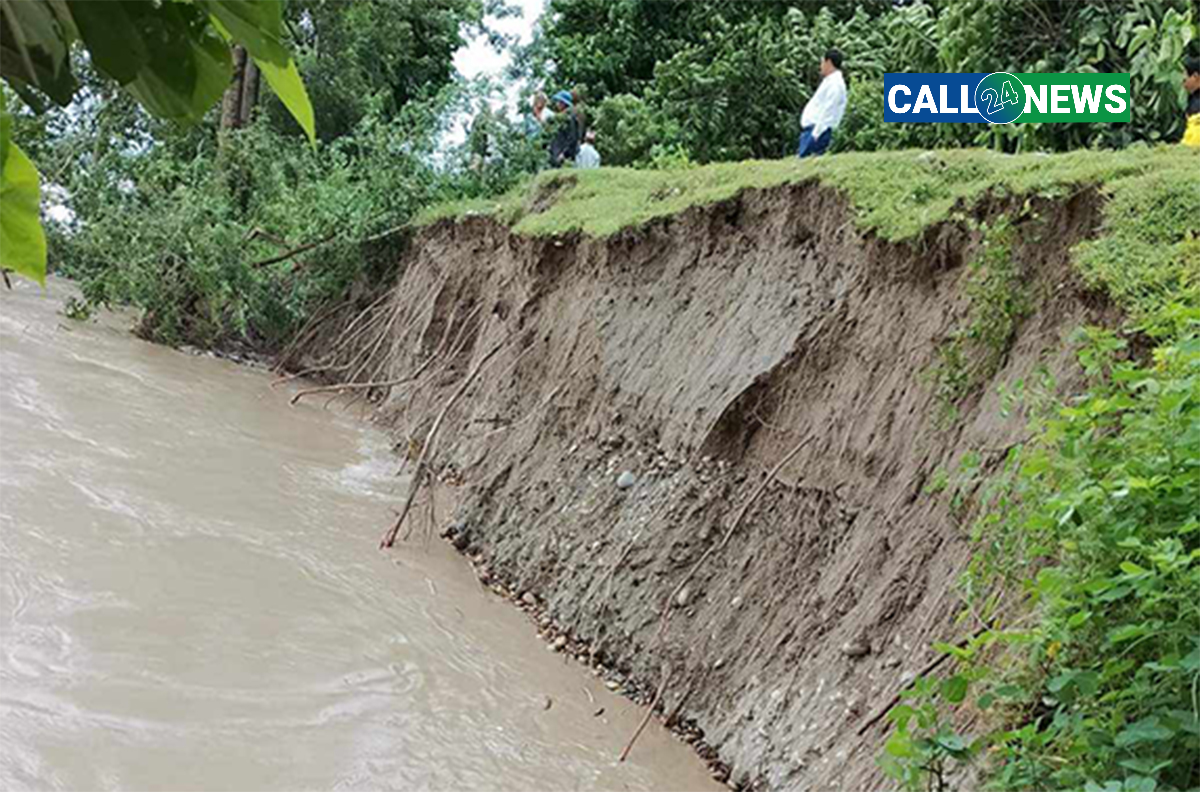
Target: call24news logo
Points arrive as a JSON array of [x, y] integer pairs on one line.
[[1005, 98]]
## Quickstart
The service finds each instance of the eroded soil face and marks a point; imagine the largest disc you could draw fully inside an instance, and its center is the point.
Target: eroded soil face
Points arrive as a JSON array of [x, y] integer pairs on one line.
[[648, 383]]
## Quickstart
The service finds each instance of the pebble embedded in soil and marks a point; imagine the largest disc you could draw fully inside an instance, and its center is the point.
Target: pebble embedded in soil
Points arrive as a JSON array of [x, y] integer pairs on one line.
[[855, 649], [626, 479], [683, 597]]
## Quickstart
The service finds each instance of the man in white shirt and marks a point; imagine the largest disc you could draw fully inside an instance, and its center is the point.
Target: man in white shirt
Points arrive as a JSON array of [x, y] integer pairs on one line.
[[588, 157], [824, 111]]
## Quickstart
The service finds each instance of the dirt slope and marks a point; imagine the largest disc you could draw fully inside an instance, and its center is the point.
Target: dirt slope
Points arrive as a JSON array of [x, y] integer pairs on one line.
[[695, 353]]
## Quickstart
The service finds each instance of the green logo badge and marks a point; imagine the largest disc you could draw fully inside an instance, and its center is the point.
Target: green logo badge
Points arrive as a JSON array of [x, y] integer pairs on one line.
[[1000, 98]]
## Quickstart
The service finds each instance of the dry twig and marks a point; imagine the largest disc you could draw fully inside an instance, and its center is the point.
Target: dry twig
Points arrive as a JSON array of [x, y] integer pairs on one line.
[[666, 677], [389, 538]]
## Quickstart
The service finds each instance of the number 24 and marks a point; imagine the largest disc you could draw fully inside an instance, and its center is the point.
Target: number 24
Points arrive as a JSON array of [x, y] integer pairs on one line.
[[997, 100]]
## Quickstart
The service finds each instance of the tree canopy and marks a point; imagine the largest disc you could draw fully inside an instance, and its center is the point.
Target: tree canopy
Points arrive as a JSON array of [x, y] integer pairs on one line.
[[727, 79]]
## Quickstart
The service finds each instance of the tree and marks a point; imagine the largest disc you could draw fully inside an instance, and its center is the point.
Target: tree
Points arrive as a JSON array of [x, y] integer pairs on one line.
[[364, 56], [173, 57], [614, 47], [241, 97], [731, 77]]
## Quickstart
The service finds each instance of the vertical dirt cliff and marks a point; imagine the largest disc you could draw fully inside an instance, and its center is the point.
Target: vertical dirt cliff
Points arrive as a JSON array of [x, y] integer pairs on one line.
[[611, 458]]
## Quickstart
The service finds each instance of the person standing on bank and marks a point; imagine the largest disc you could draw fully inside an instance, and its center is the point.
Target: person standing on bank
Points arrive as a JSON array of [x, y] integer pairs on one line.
[[588, 158], [565, 144], [1191, 84], [535, 119], [824, 111]]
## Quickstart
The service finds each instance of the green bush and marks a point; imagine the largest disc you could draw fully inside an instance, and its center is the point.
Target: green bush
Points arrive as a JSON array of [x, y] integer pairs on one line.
[[628, 129], [185, 229], [1089, 545], [733, 77]]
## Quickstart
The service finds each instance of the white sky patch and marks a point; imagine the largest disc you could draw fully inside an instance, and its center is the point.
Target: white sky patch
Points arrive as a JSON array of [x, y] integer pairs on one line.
[[478, 58]]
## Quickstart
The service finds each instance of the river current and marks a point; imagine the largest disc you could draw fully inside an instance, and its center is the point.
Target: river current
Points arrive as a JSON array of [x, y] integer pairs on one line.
[[191, 597]]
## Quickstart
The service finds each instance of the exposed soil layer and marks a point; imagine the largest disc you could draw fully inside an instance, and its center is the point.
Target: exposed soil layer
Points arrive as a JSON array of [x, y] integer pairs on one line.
[[694, 354]]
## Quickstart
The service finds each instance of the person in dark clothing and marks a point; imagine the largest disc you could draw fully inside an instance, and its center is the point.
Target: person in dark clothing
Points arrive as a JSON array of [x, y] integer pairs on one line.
[[565, 144], [1191, 84]]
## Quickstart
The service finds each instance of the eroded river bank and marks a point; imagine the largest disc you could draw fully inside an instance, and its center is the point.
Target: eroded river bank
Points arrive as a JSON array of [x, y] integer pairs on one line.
[[190, 597]]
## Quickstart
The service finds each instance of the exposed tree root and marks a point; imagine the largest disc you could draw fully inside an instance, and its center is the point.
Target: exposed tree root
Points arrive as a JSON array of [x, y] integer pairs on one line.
[[666, 677], [389, 538]]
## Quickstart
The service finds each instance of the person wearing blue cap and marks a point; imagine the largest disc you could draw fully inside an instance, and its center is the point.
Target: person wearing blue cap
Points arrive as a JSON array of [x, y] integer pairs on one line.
[[565, 144]]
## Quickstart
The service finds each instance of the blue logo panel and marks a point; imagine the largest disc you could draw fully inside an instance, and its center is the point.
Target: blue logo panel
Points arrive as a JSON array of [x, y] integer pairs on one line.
[[932, 98]]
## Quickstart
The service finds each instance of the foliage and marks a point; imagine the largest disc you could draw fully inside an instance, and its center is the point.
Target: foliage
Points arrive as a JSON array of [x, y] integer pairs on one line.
[[21, 236], [177, 226], [925, 748], [614, 48], [176, 222], [1146, 38], [172, 57], [373, 57], [997, 302], [497, 154], [732, 77], [629, 129], [1094, 528]]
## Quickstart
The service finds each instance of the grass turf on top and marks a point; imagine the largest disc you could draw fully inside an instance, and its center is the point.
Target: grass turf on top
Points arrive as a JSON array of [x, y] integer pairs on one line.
[[1148, 251], [896, 193]]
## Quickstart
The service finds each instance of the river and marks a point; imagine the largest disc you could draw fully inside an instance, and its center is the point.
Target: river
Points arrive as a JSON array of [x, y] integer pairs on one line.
[[191, 597]]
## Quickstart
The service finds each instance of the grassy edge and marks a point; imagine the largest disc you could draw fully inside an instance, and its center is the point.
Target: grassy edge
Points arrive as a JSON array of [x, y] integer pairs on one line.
[[895, 194]]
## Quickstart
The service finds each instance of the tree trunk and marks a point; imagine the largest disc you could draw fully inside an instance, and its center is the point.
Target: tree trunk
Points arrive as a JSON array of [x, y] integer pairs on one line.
[[231, 104], [251, 77]]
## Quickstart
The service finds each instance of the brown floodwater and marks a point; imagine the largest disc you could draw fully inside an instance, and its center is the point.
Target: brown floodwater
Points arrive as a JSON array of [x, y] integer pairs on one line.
[[191, 597]]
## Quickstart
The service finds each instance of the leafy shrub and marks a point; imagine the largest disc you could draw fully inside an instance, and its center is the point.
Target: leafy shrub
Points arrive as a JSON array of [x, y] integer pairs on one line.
[[997, 303], [733, 77], [234, 242], [628, 129], [1088, 557]]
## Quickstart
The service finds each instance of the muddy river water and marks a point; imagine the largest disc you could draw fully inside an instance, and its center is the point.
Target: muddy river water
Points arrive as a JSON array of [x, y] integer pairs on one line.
[[191, 597]]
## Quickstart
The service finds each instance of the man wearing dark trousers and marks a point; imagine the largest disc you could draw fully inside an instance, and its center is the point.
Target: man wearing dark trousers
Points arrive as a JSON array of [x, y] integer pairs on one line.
[[824, 111]]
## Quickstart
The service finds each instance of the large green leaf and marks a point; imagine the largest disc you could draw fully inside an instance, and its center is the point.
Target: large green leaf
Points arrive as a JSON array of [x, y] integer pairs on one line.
[[255, 24], [22, 242], [188, 67], [258, 26], [34, 47], [286, 83], [113, 34]]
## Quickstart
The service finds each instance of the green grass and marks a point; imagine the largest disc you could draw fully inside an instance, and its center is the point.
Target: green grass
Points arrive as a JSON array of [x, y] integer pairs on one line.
[[896, 194]]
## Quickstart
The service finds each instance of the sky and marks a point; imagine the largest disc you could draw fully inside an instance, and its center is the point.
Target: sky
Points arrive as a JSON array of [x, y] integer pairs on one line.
[[479, 58]]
